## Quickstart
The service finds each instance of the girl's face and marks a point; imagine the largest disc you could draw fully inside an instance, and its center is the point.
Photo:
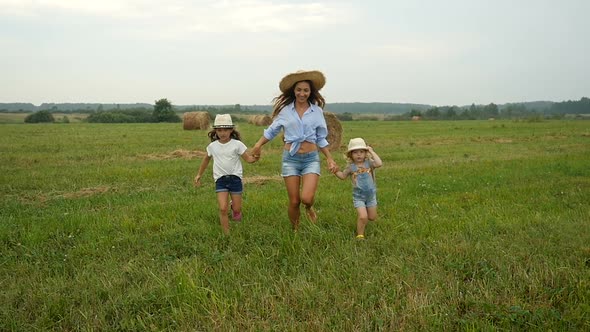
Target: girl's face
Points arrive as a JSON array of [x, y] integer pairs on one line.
[[302, 91], [358, 155], [224, 134]]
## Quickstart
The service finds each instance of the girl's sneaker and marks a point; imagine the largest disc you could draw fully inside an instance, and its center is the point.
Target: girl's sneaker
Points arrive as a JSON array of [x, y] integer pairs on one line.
[[236, 216]]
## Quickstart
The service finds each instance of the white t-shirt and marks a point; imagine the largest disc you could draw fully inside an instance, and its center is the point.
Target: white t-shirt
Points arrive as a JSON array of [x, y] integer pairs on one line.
[[226, 157]]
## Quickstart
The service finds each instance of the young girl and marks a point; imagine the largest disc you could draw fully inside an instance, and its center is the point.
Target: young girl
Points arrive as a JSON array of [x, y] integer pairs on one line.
[[362, 161], [226, 149]]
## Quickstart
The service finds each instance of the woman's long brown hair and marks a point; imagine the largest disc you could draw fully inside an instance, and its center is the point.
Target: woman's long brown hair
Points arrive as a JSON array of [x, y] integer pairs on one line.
[[287, 97]]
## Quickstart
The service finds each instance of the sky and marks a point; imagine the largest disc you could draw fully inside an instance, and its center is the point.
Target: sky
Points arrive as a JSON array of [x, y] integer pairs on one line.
[[201, 52]]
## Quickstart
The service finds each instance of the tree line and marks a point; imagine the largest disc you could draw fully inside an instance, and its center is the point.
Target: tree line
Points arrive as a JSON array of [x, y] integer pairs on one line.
[[164, 111]]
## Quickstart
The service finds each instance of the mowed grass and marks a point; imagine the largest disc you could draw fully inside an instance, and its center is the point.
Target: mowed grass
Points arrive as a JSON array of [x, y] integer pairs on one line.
[[484, 225]]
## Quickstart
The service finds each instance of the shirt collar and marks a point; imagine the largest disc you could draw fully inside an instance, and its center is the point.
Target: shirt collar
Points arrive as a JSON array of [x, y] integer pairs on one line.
[[311, 106]]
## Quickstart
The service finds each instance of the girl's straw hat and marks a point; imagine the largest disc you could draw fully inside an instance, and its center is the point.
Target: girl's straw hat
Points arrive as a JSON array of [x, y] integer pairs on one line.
[[223, 121], [357, 144], [315, 76]]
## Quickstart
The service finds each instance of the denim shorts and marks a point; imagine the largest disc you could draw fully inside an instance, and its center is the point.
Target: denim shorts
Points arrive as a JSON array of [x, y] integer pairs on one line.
[[300, 164], [360, 200], [231, 183]]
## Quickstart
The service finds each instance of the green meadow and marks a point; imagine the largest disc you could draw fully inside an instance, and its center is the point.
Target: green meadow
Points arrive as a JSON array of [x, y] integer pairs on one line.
[[483, 225]]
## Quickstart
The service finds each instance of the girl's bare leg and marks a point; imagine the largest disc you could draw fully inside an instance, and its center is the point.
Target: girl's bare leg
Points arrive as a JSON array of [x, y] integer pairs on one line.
[[222, 202], [236, 204], [361, 220], [372, 213]]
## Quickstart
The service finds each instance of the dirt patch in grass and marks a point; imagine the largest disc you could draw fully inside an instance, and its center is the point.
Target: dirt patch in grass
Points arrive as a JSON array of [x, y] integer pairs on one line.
[[176, 154], [259, 179], [86, 192]]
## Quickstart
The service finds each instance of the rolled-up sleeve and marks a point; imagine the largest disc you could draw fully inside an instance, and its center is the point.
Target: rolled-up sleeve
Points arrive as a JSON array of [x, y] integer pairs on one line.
[[275, 128], [322, 131]]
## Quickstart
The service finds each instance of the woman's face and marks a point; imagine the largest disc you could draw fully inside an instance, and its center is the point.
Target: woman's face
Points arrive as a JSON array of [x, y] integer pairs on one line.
[[302, 91]]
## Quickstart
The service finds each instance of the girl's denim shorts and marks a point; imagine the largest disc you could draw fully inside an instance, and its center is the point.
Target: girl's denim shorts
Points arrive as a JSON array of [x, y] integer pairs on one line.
[[231, 183], [364, 200], [300, 164]]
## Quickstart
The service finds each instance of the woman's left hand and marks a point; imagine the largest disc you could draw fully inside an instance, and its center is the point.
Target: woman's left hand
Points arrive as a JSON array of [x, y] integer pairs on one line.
[[332, 166]]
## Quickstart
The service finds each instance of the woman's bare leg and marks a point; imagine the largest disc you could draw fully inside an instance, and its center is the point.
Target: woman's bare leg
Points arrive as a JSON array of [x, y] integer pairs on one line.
[[292, 183]]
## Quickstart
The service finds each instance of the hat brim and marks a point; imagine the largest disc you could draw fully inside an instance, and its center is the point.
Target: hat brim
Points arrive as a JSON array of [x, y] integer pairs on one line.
[[223, 126], [359, 148], [315, 76]]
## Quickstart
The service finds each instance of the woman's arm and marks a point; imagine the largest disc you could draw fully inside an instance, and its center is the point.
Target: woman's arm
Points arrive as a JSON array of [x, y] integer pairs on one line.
[[255, 152], [331, 163]]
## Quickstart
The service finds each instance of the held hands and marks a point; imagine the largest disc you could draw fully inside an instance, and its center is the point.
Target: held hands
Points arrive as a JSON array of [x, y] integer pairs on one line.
[[332, 166], [255, 152]]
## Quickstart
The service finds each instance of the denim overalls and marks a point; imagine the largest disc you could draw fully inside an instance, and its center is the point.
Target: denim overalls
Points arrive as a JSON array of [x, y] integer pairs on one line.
[[363, 180]]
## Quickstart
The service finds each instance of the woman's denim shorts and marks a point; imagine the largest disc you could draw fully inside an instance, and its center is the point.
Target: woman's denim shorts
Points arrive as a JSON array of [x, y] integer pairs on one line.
[[231, 183], [300, 164]]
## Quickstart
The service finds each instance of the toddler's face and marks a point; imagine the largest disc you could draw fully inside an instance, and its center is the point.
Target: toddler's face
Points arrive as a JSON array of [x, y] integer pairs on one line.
[[359, 155]]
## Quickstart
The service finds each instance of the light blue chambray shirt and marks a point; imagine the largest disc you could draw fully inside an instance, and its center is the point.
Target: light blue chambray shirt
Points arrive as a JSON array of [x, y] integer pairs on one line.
[[311, 127]]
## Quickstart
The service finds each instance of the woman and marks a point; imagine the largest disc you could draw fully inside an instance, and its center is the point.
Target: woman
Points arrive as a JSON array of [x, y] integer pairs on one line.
[[298, 112]]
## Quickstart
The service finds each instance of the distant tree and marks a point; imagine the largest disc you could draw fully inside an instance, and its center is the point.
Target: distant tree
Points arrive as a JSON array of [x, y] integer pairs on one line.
[[415, 112], [346, 116], [39, 117], [432, 113], [452, 113], [163, 112], [491, 110]]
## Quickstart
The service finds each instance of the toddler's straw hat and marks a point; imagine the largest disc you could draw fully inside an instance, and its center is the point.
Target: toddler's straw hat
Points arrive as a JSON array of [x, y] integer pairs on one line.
[[357, 144], [223, 121], [315, 76]]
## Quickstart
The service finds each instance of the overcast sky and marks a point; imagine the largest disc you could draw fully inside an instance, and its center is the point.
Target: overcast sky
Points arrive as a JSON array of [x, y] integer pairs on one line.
[[451, 52]]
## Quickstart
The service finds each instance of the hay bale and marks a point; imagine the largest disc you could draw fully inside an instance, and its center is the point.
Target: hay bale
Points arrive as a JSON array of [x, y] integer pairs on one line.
[[195, 121], [334, 131], [260, 120]]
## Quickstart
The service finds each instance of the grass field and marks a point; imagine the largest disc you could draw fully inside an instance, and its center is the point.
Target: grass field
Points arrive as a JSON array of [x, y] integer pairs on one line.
[[484, 225]]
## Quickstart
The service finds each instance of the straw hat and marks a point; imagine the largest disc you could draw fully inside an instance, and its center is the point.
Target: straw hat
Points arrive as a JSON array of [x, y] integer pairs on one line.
[[315, 76], [223, 121], [357, 144]]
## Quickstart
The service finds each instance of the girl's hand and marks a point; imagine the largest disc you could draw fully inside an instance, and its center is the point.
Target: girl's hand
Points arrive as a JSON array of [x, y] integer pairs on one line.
[[255, 152], [197, 181]]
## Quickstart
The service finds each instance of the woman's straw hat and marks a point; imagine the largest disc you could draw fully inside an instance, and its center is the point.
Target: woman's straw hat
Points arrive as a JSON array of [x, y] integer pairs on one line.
[[223, 121], [315, 76], [357, 144]]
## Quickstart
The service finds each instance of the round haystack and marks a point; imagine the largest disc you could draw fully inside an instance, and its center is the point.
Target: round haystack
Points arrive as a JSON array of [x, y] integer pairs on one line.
[[195, 121], [334, 131], [260, 120]]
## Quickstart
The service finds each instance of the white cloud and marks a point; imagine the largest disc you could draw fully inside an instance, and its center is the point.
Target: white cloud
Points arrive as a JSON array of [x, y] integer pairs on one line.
[[195, 16]]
